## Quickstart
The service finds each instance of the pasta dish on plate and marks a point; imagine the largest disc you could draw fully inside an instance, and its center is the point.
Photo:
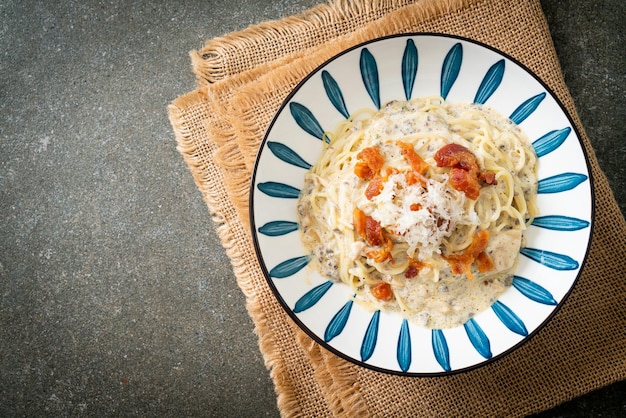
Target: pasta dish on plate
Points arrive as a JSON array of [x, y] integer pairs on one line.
[[420, 208]]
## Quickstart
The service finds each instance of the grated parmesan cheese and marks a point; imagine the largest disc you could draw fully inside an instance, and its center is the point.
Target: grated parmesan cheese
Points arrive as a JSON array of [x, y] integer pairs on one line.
[[441, 207]]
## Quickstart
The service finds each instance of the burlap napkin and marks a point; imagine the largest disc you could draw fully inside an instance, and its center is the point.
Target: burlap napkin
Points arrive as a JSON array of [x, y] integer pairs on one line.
[[243, 79]]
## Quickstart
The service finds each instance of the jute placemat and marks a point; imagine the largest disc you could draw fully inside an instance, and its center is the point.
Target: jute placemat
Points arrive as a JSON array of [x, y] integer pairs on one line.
[[219, 128]]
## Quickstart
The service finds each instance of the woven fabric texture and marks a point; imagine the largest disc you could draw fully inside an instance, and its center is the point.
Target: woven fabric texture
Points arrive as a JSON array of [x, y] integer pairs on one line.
[[219, 127]]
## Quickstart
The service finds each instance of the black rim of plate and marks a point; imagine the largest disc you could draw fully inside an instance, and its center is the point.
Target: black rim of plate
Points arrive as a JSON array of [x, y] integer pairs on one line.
[[326, 345]]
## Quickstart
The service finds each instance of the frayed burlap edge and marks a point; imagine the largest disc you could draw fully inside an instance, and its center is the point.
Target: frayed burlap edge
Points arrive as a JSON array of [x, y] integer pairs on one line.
[[209, 179], [346, 378], [233, 53]]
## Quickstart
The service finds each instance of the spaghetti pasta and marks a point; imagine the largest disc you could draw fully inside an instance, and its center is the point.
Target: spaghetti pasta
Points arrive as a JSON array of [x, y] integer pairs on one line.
[[420, 207]]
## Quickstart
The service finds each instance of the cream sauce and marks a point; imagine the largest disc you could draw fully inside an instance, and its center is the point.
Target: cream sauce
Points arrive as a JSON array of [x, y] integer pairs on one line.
[[435, 298]]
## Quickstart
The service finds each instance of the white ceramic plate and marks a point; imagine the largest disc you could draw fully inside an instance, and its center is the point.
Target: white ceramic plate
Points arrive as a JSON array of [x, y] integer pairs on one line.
[[404, 67]]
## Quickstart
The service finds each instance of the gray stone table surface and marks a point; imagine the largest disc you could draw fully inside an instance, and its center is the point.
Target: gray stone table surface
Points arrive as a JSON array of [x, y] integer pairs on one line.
[[116, 298]]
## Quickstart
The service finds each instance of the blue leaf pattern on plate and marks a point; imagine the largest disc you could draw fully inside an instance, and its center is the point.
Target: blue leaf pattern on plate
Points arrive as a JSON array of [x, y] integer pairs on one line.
[[551, 141], [305, 119], [334, 94], [281, 190], [286, 154], [533, 291], [525, 109], [338, 323], [289, 267], [440, 348], [478, 338], [509, 318], [560, 223], [528, 293], [403, 353], [451, 68], [560, 183], [311, 297], [549, 259], [370, 338], [278, 228], [369, 73], [409, 68], [490, 83]]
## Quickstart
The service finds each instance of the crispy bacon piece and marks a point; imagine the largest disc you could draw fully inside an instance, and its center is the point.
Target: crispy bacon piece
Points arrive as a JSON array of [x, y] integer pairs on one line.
[[462, 263], [383, 253], [414, 268], [465, 174], [411, 272], [415, 161], [411, 178], [382, 291], [363, 171], [377, 182], [465, 181], [458, 262], [358, 220], [368, 228], [370, 163], [373, 233], [488, 177], [484, 262], [479, 243], [389, 171], [455, 155], [375, 186], [419, 167]]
